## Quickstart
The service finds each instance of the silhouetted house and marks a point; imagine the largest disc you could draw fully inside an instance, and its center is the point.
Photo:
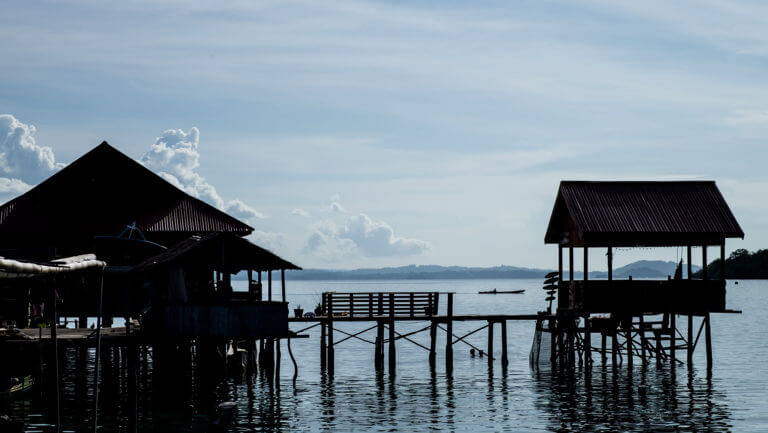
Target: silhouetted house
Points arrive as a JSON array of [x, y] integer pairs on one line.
[[640, 214], [109, 204]]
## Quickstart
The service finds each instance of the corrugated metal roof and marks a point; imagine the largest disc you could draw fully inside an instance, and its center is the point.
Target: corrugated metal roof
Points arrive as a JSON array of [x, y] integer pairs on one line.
[[641, 213], [222, 250], [102, 192]]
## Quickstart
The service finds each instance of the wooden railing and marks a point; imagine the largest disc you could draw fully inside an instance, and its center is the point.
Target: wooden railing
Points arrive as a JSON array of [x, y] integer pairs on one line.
[[371, 304], [642, 296]]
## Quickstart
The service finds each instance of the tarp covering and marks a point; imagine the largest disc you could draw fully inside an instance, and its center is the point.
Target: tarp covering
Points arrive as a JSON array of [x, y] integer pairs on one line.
[[10, 268]]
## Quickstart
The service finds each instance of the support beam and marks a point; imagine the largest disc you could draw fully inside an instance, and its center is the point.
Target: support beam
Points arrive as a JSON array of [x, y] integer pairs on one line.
[[331, 354], [269, 285], [449, 336], [560, 263], [587, 343], [504, 354], [643, 342], [282, 282], [629, 344], [570, 263], [690, 342], [708, 340], [722, 261], [603, 352], [432, 343], [672, 339], [586, 263], [690, 263], [610, 263], [490, 343], [323, 347], [704, 262], [392, 353]]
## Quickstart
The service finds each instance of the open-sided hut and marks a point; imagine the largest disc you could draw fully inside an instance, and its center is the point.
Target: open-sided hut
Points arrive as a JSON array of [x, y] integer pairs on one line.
[[607, 215]]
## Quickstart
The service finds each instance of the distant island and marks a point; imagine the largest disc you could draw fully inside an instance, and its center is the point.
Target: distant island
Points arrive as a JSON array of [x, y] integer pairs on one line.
[[640, 269], [741, 264]]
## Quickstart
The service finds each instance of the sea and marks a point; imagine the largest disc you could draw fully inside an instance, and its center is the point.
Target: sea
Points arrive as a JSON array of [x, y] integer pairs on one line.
[[476, 397]]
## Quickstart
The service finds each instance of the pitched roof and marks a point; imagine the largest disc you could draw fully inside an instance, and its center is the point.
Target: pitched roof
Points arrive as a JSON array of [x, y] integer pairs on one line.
[[640, 214], [102, 192], [221, 250]]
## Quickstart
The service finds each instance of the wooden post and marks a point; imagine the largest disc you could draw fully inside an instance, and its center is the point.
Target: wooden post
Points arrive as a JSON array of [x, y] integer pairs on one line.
[[704, 262], [432, 343], [329, 304], [708, 339], [260, 295], [282, 282], [560, 263], [552, 342], [504, 354], [610, 263], [690, 342], [490, 343], [269, 285], [586, 263], [643, 341], [603, 353], [722, 261], [672, 339], [570, 263], [614, 349], [629, 344], [449, 335], [98, 355], [379, 344], [278, 358], [587, 343], [323, 331], [392, 353], [690, 264]]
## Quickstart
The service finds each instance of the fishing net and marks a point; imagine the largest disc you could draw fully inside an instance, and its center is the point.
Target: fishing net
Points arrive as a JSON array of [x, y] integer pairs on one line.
[[541, 348]]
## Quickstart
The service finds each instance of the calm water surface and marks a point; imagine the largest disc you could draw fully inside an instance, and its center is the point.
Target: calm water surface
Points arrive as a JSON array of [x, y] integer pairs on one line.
[[475, 399]]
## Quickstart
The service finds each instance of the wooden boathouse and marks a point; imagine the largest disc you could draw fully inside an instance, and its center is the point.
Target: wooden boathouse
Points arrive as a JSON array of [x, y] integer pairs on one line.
[[641, 318], [165, 263]]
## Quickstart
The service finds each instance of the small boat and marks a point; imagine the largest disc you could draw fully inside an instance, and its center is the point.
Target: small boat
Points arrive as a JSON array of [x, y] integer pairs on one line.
[[499, 292], [16, 386]]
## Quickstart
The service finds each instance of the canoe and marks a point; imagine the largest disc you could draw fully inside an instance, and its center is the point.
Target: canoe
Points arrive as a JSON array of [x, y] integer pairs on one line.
[[499, 292], [18, 387]]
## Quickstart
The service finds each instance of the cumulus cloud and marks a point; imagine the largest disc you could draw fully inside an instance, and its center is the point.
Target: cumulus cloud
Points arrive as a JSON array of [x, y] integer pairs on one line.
[[363, 235], [23, 162], [268, 240], [336, 207], [300, 212], [175, 157]]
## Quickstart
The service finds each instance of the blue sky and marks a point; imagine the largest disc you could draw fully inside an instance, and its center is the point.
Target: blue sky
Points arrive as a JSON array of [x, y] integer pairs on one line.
[[384, 133]]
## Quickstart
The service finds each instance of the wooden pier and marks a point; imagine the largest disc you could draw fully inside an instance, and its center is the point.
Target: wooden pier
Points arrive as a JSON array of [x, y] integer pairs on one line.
[[385, 309]]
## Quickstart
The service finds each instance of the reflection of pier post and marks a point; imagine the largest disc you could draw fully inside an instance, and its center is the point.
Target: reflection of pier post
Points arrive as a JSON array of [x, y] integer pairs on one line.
[[449, 336], [330, 336], [392, 354]]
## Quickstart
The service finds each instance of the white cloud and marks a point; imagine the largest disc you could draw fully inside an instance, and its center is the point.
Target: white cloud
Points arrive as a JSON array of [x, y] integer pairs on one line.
[[300, 212], [176, 158], [21, 158], [268, 240], [336, 207], [363, 235], [749, 117]]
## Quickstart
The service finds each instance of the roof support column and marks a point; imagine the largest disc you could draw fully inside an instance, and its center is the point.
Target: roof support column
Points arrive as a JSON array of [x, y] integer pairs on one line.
[[560, 263], [690, 265], [586, 263], [610, 263], [269, 285], [704, 262], [722, 260], [570, 263], [282, 282]]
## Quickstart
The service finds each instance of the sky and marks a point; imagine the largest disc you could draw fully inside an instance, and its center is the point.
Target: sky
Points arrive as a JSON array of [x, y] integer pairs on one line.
[[364, 134]]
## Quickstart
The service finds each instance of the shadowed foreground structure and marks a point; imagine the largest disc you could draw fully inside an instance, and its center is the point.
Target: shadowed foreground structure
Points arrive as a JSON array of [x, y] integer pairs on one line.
[[640, 317]]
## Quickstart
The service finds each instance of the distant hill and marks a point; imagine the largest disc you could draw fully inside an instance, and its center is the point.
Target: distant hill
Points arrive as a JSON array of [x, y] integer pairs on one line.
[[740, 264], [640, 269]]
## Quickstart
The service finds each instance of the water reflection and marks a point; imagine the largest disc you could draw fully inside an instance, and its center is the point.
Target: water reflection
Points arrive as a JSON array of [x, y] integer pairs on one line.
[[648, 400], [475, 398]]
